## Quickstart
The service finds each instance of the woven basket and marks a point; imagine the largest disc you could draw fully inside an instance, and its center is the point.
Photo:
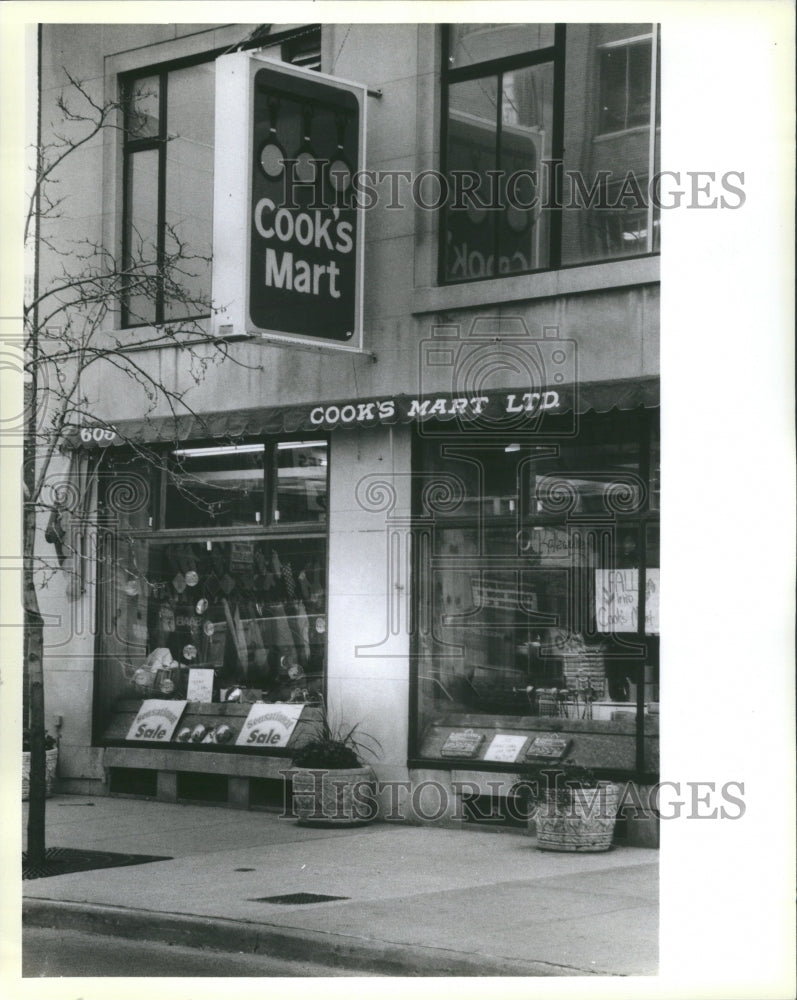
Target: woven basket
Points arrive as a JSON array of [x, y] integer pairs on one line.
[[586, 824], [51, 763], [328, 796]]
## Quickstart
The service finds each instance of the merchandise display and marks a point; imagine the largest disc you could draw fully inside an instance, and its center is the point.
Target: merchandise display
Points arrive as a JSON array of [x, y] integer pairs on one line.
[[462, 744]]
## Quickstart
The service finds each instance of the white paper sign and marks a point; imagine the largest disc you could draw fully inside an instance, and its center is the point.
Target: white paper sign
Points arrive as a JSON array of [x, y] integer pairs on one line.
[[505, 747], [269, 725], [156, 720], [617, 600], [200, 684], [652, 602]]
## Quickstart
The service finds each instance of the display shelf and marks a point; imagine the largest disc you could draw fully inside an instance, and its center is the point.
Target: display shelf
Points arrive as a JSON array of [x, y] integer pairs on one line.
[[596, 743], [208, 714]]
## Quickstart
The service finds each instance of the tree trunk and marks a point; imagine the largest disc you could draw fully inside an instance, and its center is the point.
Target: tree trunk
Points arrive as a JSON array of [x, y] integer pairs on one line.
[[34, 668]]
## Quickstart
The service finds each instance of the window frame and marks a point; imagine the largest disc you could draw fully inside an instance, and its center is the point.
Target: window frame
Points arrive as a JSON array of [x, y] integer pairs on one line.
[[111, 534], [647, 440], [158, 469], [285, 40], [496, 68], [625, 44], [159, 144], [556, 55]]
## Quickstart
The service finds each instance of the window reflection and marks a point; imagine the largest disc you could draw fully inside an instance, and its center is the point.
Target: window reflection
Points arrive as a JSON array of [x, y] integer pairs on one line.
[[534, 603], [253, 611], [301, 481], [216, 487]]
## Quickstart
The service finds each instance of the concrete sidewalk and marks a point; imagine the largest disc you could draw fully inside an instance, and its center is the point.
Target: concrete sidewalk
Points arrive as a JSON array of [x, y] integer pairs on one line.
[[418, 900]]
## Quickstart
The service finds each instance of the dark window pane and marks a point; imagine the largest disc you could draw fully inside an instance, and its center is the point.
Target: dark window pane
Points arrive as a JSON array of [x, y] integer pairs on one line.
[[127, 494], [624, 95], [141, 236], [526, 130], [471, 153], [607, 144], [301, 481], [216, 488], [638, 102], [189, 190], [142, 114]]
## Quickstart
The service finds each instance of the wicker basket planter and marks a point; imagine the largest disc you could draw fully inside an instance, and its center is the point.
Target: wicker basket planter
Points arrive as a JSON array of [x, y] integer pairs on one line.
[[585, 824], [51, 758], [341, 797]]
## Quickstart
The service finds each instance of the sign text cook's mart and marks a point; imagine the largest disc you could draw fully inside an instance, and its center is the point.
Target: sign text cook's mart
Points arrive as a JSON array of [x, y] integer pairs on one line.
[[304, 227], [439, 407]]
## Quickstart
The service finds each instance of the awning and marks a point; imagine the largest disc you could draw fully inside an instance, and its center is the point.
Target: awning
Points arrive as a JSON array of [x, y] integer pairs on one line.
[[491, 409]]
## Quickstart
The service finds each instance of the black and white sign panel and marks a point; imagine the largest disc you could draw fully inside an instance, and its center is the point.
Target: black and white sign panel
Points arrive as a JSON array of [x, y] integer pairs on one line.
[[288, 233]]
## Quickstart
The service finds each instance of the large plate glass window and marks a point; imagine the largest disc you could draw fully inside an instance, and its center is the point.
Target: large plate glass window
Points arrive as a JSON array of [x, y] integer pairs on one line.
[[539, 600], [213, 557]]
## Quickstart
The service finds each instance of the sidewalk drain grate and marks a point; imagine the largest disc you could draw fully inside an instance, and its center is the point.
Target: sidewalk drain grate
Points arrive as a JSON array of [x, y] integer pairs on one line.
[[66, 860], [298, 898]]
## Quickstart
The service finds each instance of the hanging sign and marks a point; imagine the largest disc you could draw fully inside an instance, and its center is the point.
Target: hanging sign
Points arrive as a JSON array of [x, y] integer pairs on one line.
[[156, 720], [269, 725], [292, 140]]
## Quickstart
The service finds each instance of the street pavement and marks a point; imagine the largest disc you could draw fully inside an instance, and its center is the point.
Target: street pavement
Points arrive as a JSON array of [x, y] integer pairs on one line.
[[417, 901], [49, 952]]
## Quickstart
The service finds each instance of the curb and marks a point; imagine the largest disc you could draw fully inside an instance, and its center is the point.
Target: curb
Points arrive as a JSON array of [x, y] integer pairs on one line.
[[233, 936]]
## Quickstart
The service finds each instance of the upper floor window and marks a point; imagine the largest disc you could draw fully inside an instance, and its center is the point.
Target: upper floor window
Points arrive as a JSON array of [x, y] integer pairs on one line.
[[168, 194], [550, 144], [167, 230]]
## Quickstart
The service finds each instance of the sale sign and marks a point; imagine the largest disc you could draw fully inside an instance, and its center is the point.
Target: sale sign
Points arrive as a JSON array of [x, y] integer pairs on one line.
[[269, 726], [156, 720]]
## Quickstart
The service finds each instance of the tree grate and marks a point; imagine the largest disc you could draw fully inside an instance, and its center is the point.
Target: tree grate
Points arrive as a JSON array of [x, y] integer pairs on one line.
[[66, 860], [297, 898]]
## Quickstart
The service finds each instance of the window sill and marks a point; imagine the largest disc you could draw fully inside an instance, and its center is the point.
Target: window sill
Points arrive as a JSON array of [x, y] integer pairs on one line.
[[545, 284]]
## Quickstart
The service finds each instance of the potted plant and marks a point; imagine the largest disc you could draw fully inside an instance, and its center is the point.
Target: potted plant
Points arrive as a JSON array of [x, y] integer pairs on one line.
[[572, 809], [332, 784], [51, 759]]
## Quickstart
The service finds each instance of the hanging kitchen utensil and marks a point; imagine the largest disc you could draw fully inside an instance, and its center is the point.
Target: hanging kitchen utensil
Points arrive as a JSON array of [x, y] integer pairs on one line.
[[339, 172], [306, 164], [272, 155]]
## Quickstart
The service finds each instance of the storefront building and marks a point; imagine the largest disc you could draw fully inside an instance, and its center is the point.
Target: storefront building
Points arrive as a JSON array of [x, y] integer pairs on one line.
[[423, 487]]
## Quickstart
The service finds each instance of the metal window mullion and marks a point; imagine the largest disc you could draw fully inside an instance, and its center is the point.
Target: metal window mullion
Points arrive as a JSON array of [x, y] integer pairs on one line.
[[652, 138], [126, 226], [504, 64], [642, 535], [271, 482], [627, 88], [161, 225], [442, 277], [557, 145], [499, 110]]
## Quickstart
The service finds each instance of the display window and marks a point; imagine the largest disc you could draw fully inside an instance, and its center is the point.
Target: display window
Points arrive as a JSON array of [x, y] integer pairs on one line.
[[212, 569], [537, 604]]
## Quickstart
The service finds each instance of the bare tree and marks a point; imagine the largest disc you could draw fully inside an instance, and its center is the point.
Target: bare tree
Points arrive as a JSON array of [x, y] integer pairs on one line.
[[69, 340]]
